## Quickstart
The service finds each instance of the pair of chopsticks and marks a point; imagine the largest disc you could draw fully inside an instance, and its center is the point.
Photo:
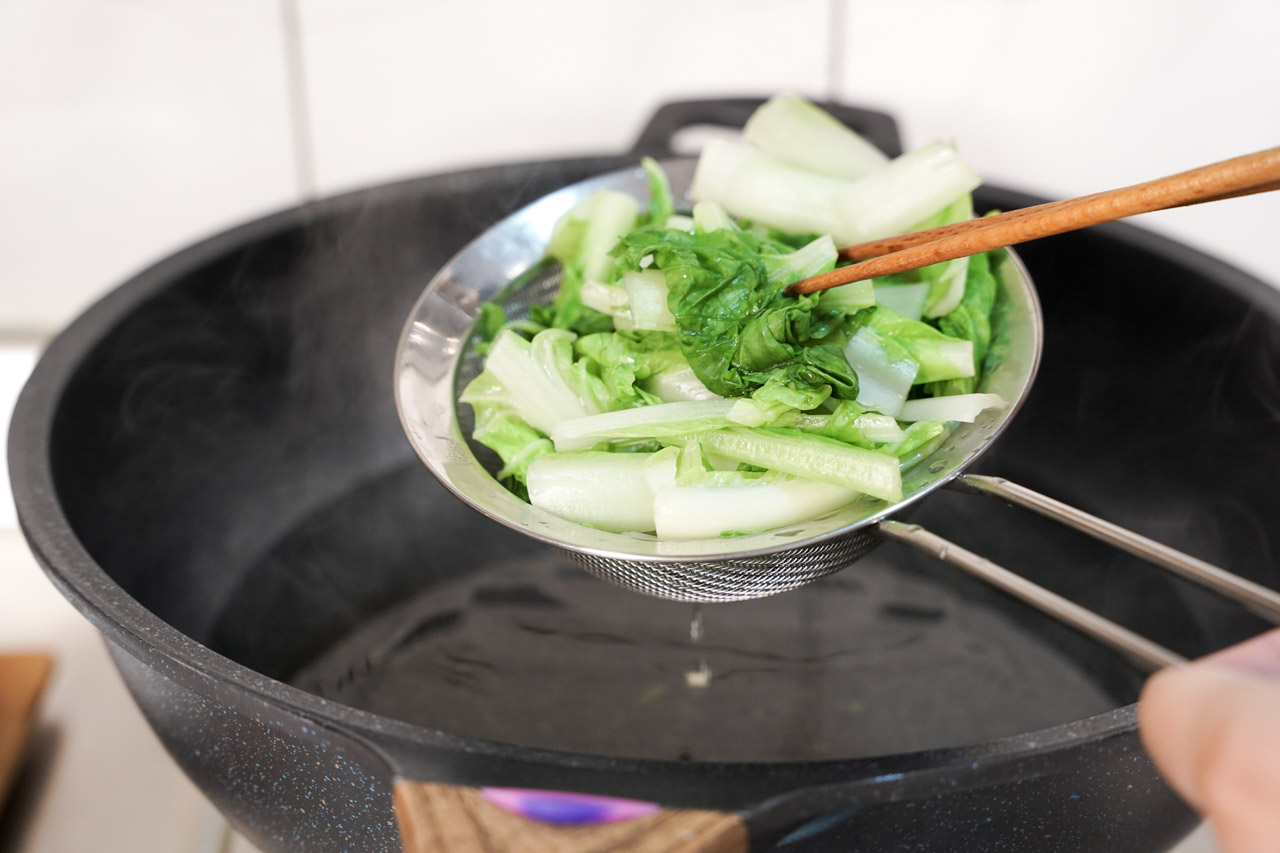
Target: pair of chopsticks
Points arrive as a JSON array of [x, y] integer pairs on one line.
[[1239, 176]]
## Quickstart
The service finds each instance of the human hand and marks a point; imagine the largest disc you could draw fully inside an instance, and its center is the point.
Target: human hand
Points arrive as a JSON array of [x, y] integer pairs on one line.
[[1213, 729]]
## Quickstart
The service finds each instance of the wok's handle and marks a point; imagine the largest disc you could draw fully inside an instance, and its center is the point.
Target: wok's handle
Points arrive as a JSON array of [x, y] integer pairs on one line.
[[437, 818], [669, 119], [22, 682]]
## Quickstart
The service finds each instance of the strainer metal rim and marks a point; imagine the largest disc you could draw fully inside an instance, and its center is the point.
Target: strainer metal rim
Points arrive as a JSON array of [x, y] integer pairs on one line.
[[438, 329]]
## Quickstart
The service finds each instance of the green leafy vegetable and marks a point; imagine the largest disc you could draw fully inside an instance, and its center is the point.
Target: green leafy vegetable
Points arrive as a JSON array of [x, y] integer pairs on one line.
[[622, 360], [499, 427], [736, 328], [672, 386], [939, 355]]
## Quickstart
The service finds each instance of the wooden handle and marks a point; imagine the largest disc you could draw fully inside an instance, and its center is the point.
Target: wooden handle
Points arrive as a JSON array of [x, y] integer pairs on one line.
[[1252, 173], [436, 818], [22, 680]]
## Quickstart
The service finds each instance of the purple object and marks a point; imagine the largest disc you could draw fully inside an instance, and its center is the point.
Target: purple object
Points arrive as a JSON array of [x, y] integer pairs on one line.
[[562, 807]]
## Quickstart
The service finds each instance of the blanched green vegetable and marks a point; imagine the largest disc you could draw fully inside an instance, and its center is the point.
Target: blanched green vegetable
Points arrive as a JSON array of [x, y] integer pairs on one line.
[[946, 280], [798, 132], [605, 490], [664, 420], [672, 387], [939, 355], [720, 279], [971, 321], [886, 369], [542, 382], [814, 457], [909, 189], [716, 508]]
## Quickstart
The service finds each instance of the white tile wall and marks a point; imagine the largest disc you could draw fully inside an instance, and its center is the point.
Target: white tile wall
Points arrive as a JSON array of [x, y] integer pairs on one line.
[[127, 129], [398, 87], [132, 127], [1064, 98]]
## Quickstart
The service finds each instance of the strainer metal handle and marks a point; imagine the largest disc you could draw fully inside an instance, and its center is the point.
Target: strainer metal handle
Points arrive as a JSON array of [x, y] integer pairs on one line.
[[1259, 599], [1143, 652]]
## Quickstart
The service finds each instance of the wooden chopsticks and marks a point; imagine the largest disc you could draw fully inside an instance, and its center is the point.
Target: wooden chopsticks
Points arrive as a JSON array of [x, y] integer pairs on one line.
[[1239, 176]]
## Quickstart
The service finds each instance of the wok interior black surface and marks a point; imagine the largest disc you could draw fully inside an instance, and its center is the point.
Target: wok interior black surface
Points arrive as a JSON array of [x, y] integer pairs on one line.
[[231, 456]]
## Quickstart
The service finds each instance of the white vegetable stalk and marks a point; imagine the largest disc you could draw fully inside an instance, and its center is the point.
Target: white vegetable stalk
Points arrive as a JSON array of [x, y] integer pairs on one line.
[[613, 215], [956, 407], [539, 394], [610, 299], [873, 426], [709, 216], [855, 295], [819, 255], [692, 465], [663, 419], [717, 165], [939, 355], [878, 427], [952, 360], [951, 287], [710, 511], [949, 276], [800, 133], [905, 299], [646, 293], [750, 184], [677, 384], [522, 459], [566, 236], [485, 390], [660, 469], [609, 491], [910, 189], [884, 380], [751, 413], [811, 457]]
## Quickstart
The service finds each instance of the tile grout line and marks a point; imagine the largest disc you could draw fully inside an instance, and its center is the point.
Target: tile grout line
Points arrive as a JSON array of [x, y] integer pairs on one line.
[[299, 103], [836, 12]]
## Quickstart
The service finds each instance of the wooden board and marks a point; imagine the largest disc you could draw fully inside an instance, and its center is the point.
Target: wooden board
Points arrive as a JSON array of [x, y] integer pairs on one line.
[[22, 680], [435, 818]]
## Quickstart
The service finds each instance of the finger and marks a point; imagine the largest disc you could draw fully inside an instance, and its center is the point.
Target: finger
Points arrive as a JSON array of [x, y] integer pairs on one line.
[[1260, 656], [1215, 735]]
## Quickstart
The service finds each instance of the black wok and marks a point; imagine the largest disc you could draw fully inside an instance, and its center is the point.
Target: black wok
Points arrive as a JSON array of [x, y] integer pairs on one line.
[[209, 465]]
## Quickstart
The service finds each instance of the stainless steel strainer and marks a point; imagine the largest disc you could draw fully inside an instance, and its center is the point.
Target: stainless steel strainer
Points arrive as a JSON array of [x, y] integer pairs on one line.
[[437, 358]]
